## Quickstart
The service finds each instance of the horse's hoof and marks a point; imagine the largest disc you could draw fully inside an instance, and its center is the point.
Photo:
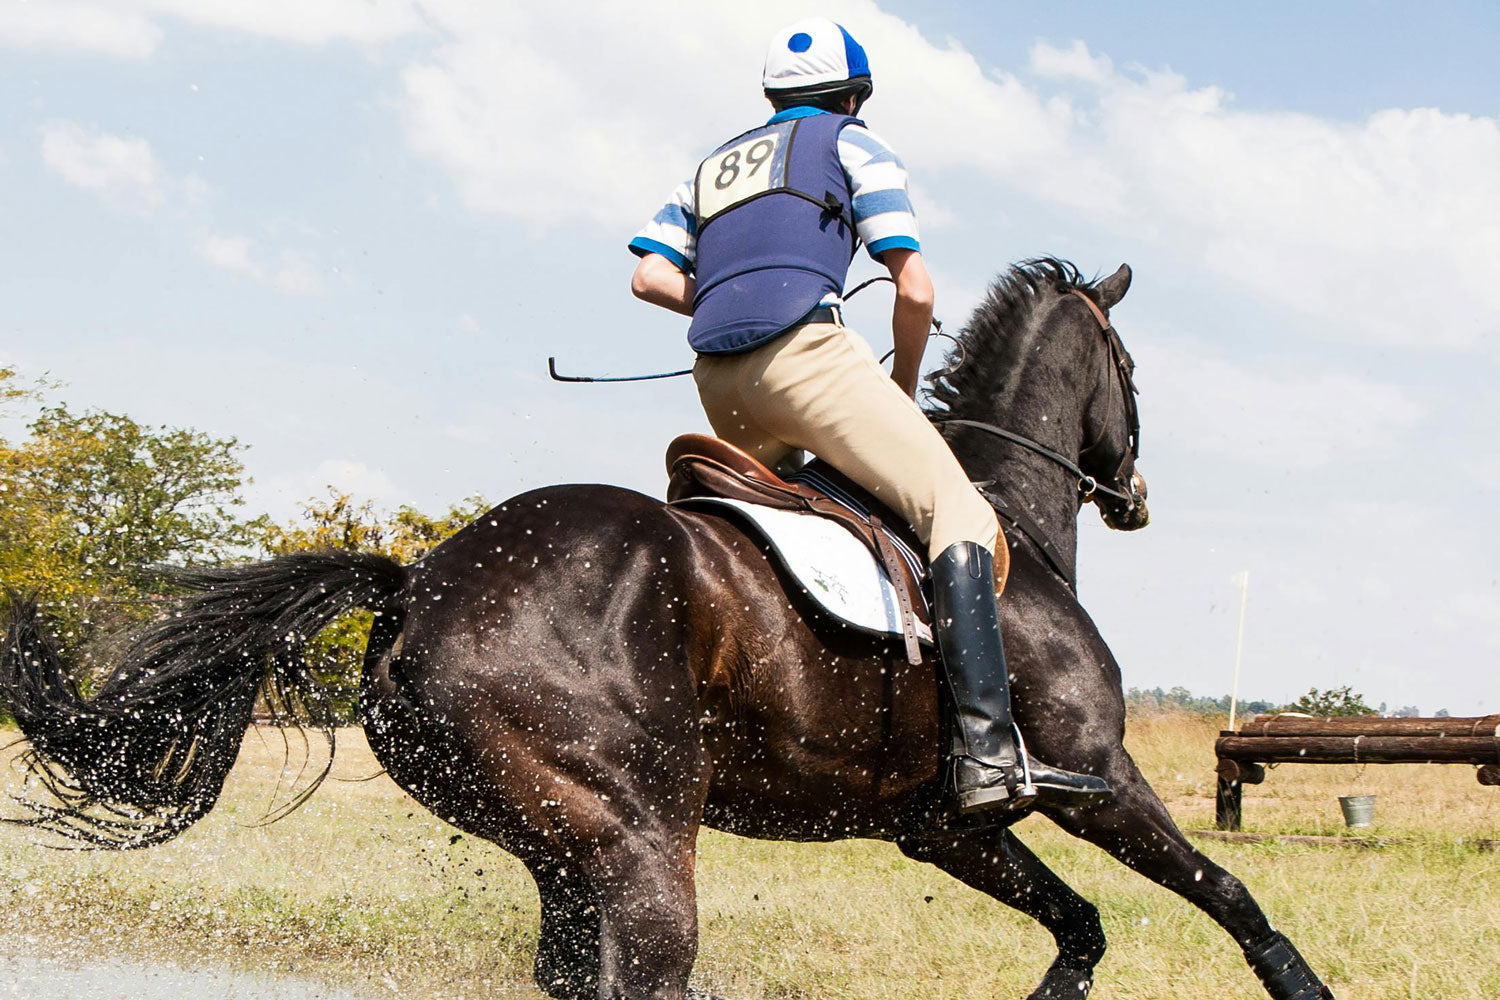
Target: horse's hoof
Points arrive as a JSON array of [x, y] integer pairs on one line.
[[1064, 983]]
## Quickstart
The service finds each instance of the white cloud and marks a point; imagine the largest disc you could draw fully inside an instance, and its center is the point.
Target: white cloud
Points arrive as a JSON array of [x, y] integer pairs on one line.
[[524, 133], [476, 435], [363, 21], [132, 28], [300, 273], [1074, 62], [107, 29], [125, 173], [281, 495], [1271, 414], [1336, 222], [531, 131], [232, 253], [1340, 223], [121, 170], [1352, 225], [351, 476]]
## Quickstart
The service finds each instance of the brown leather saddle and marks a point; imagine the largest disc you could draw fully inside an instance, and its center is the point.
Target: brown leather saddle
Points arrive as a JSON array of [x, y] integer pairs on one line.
[[702, 466]]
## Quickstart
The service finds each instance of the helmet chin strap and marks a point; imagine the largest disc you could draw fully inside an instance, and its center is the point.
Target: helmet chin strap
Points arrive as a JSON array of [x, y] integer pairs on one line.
[[815, 95]]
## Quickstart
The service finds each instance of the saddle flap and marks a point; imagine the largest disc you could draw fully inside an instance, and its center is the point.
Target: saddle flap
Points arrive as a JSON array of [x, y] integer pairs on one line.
[[703, 467], [831, 569]]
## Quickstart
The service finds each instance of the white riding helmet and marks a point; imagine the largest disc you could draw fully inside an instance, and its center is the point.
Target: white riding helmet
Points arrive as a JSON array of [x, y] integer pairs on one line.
[[815, 58]]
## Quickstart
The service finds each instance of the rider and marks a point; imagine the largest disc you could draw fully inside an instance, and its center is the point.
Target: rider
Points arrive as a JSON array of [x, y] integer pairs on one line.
[[756, 248]]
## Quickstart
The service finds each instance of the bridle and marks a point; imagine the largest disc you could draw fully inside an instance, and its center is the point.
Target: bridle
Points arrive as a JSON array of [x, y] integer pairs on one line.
[[1124, 368]]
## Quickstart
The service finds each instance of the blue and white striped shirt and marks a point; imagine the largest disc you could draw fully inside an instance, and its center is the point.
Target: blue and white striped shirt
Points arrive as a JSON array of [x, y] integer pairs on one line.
[[883, 216]]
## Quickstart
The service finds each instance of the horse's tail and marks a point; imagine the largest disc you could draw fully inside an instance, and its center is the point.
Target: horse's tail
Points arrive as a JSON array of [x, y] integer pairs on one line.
[[146, 756]]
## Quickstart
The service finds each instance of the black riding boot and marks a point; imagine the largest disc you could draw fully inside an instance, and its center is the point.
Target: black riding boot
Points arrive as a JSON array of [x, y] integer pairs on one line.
[[989, 762]]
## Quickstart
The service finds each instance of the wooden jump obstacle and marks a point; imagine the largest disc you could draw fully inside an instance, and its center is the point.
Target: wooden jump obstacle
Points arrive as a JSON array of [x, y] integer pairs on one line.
[[1302, 739]]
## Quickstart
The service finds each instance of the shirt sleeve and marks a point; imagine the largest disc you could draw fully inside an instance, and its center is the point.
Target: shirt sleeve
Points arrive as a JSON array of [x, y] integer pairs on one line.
[[883, 215], [673, 232]]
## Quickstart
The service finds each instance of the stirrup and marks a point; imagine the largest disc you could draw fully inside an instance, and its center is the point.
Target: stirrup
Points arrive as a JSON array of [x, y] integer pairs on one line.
[[1027, 789], [1014, 788]]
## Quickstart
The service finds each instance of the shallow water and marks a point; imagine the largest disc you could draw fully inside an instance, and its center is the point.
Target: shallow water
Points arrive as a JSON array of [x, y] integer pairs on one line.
[[43, 979]]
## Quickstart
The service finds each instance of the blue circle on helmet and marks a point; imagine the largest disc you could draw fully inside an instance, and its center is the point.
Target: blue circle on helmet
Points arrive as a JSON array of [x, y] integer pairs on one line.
[[800, 42]]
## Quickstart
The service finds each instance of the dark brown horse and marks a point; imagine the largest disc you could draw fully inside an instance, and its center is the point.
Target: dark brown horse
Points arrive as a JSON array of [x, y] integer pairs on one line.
[[585, 676]]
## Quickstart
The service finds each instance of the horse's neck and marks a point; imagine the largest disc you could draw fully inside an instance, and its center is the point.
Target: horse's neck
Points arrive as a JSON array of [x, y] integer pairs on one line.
[[1033, 403], [1045, 491]]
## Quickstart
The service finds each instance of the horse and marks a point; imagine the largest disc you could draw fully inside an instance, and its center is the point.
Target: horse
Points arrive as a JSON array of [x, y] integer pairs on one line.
[[586, 675]]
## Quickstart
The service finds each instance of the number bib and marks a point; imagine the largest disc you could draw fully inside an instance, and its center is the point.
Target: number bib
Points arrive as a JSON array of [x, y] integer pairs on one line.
[[752, 165]]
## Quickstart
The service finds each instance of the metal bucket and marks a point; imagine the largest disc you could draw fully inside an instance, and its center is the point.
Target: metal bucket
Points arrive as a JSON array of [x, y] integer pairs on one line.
[[1359, 810]]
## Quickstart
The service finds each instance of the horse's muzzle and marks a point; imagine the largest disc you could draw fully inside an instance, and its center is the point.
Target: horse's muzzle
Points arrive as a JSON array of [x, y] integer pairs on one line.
[[1130, 516]]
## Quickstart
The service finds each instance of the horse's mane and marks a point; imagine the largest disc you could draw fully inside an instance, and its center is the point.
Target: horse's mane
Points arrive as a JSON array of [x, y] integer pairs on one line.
[[986, 349]]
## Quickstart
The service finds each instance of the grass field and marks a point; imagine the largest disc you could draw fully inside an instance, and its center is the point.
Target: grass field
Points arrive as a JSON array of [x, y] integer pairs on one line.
[[365, 889]]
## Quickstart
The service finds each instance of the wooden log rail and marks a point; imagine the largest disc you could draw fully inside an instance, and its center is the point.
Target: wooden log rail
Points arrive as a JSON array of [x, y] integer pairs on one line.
[[1301, 739]]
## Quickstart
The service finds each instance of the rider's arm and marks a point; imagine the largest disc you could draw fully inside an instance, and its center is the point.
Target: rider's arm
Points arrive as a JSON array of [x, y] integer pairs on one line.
[[912, 316], [667, 247], [658, 281], [886, 224]]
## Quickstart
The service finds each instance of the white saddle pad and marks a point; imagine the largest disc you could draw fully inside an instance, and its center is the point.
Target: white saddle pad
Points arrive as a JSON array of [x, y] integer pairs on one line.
[[830, 564]]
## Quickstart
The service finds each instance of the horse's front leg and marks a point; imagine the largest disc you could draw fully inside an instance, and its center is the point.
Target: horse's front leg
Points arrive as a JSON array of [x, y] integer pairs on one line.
[[648, 936], [567, 951], [996, 862], [1135, 827]]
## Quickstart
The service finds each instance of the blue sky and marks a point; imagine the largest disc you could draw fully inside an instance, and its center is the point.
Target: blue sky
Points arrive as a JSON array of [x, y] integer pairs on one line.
[[350, 232], [1341, 57]]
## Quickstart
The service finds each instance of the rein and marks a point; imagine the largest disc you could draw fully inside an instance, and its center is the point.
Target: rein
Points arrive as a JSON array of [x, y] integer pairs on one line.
[[1087, 484]]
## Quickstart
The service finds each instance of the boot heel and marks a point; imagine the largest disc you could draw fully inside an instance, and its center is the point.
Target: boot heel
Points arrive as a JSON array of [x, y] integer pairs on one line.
[[981, 799]]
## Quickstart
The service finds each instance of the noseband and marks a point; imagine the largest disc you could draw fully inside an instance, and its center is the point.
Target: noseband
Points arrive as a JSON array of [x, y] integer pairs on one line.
[[1124, 368]]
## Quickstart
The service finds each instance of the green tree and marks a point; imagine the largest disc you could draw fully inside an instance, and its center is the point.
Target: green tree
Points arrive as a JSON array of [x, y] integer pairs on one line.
[[95, 505], [1155, 701], [339, 521], [1333, 702], [11, 387]]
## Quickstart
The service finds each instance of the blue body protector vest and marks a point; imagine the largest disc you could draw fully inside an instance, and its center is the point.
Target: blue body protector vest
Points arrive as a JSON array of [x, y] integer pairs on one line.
[[775, 232]]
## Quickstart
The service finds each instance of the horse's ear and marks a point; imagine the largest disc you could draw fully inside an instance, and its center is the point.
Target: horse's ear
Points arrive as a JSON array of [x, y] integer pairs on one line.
[[1113, 288]]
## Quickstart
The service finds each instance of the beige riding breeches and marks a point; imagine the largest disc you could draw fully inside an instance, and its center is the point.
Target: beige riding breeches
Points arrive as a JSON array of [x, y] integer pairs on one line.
[[819, 388]]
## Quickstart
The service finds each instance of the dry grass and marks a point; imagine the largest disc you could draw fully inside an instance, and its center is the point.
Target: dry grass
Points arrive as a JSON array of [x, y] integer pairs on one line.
[[363, 887]]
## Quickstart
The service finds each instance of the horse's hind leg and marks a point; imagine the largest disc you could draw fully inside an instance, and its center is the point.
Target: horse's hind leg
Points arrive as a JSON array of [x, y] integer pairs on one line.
[[1135, 827], [997, 863]]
